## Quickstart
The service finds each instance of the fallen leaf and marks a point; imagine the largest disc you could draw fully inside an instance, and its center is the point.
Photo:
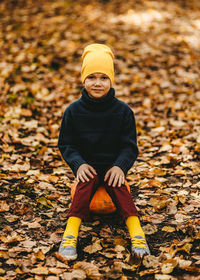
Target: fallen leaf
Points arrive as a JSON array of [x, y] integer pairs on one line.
[[168, 229], [90, 270], [2, 271], [120, 241], [61, 258], [28, 243], [94, 247], [52, 278], [40, 270], [164, 277], [4, 206], [77, 274], [168, 266], [42, 201], [34, 225], [183, 263], [54, 270], [150, 261], [39, 255], [4, 254], [150, 229]]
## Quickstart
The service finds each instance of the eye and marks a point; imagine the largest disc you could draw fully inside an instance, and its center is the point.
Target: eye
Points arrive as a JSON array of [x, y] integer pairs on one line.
[[90, 77], [104, 77]]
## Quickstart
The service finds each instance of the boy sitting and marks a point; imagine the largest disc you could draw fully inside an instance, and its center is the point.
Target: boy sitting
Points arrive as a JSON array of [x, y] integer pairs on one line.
[[98, 141]]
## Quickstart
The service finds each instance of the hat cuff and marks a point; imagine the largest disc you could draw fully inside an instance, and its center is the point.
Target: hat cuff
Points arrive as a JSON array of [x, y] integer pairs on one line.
[[86, 71]]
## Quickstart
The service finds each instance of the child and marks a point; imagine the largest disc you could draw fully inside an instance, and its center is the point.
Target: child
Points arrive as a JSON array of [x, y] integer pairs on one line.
[[98, 141]]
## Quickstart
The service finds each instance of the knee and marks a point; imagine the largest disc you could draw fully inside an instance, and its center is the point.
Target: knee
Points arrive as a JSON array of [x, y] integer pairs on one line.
[[95, 179]]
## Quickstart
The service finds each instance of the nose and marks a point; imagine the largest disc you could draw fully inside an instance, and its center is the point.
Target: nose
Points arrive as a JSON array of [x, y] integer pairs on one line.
[[97, 81]]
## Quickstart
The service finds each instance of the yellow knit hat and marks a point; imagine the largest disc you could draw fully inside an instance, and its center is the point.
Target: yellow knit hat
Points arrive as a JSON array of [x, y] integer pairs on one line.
[[97, 58]]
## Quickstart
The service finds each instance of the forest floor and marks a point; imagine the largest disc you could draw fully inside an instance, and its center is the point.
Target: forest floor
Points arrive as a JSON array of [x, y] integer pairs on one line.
[[157, 62]]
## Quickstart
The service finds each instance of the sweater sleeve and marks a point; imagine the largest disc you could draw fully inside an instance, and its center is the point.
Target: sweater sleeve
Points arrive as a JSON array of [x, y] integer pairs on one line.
[[66, 143], [129, 150]]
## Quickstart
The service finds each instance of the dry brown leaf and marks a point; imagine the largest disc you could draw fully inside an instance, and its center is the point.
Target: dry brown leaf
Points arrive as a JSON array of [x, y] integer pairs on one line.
[[148, 271], [150, 229], [13, 239], [26, 112], [168, 266], [90, 270], [40, 270], [110, 254], [77, 274], [119, 248], [115, 272], [164, 277], [183, 263], [105, 232], [34, 225], [172, 207], [150, 261], [61, 258], [94, 247], [159, 202], [55, 270], [4, 254], [4, 206], [12, 218], [180, 218], [157, 218], [28, 244], [52, 277], [193, 269]]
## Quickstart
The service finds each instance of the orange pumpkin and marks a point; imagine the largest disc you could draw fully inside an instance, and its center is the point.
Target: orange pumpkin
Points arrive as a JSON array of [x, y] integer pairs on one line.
[[101, 202]]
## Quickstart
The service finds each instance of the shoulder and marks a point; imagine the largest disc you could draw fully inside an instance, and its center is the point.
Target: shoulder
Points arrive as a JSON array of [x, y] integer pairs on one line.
[[124, 107], [70, 111], [72, 106]]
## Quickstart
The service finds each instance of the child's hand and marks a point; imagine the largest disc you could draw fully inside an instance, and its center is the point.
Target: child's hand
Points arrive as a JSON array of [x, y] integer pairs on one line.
[[115, 176], [85, 172]]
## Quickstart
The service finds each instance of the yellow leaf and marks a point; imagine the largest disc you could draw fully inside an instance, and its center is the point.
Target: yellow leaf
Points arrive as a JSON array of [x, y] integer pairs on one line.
[[186, 247], [168, 229], [4, 254], [44, 202], [120, 241], [2, 271], [168, 266], [18, 270], [39, 255]]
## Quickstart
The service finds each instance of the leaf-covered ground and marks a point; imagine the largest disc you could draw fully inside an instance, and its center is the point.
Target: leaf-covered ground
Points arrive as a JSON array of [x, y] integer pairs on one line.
[[156, 45]]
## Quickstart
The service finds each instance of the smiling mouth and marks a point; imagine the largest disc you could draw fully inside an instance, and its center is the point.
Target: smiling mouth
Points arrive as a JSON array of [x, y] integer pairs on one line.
[[97, 89]]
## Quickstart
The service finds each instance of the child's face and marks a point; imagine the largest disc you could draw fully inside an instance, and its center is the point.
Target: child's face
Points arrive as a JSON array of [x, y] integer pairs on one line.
[[97, 85]]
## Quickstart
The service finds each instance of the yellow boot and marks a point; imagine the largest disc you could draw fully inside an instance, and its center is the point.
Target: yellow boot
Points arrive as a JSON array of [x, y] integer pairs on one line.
[[69, 242], [139, 245]]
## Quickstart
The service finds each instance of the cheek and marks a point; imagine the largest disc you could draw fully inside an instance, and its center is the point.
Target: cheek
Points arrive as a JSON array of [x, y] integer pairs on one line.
[[87, 84], [108, 84]]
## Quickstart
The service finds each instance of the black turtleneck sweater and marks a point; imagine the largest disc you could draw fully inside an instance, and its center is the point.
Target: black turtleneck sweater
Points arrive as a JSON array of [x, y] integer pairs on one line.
[[100, 132]]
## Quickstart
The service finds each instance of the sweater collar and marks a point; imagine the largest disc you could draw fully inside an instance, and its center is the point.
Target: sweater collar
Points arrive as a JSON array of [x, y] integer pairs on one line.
[[98, 103]]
